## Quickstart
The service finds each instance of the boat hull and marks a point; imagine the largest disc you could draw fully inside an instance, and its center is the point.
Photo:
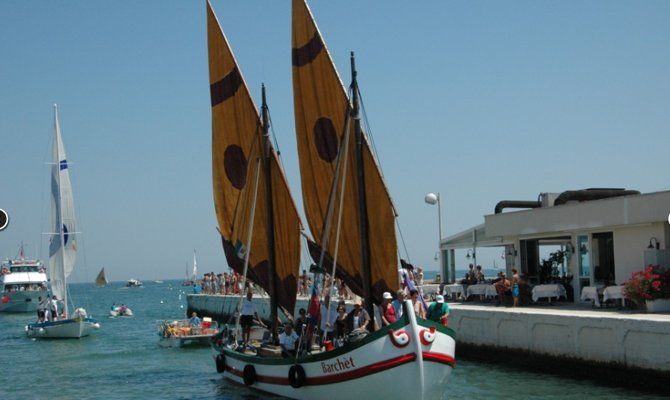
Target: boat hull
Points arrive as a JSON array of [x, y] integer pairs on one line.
[[68, 328], [23, 301], [172, 342], [391, 362]]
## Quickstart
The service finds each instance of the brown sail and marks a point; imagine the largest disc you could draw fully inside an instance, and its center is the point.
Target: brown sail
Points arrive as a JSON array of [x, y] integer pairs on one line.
[[321, 109], [236, 150]]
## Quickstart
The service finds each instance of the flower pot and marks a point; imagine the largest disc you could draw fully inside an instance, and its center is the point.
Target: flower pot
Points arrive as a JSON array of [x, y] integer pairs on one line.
[[658, 305]]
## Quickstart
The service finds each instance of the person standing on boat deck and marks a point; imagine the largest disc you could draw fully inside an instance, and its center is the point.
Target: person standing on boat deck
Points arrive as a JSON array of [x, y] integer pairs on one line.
[[287, 340], [53, 306], [247, 315], [340, 331], [439, 311], [41, 307], [398, 302], [358, 319], [386, 309], [418, 305], [194, 320], [327, 324], [301, 321]]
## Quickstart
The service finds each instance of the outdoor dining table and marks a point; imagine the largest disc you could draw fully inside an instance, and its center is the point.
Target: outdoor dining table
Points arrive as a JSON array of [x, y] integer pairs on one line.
[[613, 293], [592, 293], [484, 289], [454, 289], [551, 290]]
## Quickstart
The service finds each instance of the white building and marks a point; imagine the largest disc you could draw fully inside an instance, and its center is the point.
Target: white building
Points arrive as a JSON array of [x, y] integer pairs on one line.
[[605, 240]]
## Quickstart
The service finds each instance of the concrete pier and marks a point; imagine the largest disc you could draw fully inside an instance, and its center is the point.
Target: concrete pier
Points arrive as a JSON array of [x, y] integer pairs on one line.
[[622, 338]]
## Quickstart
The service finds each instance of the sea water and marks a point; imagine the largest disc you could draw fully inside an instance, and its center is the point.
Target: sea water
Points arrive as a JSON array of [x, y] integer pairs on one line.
[[122, 360]]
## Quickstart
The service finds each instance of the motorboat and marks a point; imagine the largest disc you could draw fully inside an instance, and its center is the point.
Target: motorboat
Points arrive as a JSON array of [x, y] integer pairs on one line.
[[133, 283], [181, 333], [22, 282]]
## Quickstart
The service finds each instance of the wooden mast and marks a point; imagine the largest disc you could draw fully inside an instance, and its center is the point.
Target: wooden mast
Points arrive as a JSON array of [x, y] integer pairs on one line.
[[270, 227], [362, 201]]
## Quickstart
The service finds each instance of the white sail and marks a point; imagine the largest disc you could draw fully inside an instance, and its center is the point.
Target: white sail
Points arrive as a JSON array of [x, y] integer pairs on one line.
[[195, 268], [63, 247]]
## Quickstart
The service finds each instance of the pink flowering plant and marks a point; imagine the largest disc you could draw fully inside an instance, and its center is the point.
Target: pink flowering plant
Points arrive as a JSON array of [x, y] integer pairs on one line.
[[650, 284]]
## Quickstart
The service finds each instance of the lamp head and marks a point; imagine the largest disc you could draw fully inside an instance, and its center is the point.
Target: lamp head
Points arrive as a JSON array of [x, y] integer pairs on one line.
[[431, 198]]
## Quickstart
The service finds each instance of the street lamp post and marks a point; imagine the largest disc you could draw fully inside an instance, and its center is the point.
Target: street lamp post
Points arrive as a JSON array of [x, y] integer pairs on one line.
[[433, 199]]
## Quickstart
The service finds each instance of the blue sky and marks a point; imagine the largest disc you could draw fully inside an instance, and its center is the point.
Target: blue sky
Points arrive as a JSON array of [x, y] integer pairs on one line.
[[479, 100]]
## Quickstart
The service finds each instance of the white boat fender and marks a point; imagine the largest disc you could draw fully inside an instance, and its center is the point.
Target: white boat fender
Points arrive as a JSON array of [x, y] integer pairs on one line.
[[249, 374], [220, 363], [296, 376]]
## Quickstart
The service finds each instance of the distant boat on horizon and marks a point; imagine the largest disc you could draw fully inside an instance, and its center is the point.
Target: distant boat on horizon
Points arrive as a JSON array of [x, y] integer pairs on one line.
[[101, 279], [191, 280], [133, 283]]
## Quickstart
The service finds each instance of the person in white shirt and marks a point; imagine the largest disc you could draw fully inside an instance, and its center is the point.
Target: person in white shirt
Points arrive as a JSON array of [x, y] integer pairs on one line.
[[54, 308], [288, 340], [247, 314], [327, 322]]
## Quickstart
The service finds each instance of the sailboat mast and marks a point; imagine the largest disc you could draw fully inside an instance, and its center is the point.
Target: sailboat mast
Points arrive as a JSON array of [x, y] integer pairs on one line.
[[60, 210], [362, 201], [267, 161]]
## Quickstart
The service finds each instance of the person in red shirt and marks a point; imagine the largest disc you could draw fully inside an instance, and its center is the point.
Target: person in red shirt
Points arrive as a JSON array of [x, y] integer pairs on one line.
[[386, 309]]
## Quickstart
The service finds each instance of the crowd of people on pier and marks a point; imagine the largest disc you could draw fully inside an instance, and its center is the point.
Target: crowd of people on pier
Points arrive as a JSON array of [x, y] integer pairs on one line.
[[230, 283]]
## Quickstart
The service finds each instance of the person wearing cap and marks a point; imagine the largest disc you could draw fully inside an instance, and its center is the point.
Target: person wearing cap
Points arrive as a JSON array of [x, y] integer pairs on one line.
[[439, 311], [386, 309], [358, 319]]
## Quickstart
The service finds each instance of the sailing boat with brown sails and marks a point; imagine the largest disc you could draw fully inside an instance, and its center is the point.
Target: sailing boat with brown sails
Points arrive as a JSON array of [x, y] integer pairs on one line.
[[349, 212]]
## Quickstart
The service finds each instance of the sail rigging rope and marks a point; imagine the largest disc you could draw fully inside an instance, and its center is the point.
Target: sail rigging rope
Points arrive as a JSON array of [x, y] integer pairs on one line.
[[248, 244], [337, 232], [274, 136]]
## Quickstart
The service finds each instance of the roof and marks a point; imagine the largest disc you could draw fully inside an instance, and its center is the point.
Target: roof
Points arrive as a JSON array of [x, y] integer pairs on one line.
[[616, 211], [472, 237]]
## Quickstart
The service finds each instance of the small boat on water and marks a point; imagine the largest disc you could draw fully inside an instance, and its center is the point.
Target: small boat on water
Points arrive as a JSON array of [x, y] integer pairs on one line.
[[62, 254], [120, 311], [22, 282], [180, 333], [133, 283], [101, 279]]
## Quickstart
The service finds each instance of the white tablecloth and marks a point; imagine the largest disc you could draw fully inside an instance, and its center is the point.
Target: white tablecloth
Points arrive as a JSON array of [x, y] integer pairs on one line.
[[430, 290], [591, 293], [550, 291], [454, 289], [482, 289], [613, 293]]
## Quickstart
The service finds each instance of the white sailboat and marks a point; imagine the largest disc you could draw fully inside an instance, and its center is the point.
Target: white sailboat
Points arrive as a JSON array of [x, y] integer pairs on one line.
[[62, 252], [193, 277]]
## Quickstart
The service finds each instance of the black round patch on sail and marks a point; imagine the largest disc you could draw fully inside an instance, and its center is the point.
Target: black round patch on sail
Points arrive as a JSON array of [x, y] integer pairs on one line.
[[325, 139], [235, 165], [4, 219]]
